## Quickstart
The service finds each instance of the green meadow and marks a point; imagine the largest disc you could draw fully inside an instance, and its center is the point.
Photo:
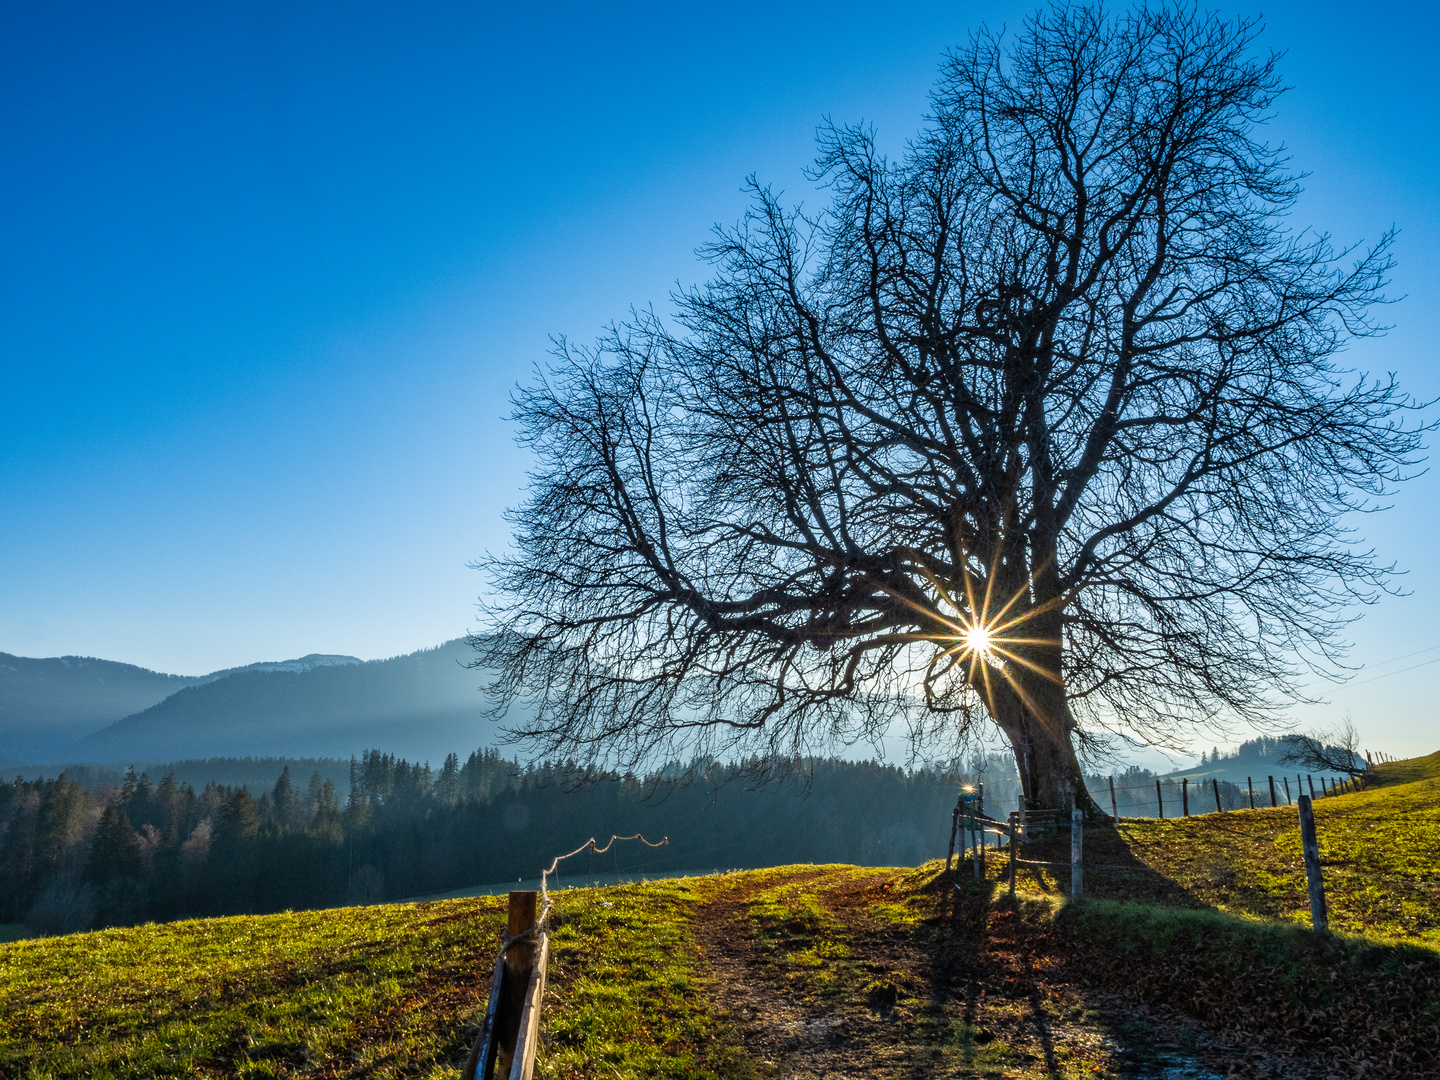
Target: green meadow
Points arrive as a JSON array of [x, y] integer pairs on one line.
[[1192, 950]]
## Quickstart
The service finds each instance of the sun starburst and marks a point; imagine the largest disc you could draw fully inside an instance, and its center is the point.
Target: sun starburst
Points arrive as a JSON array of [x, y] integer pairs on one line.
[[977, 640], [981, 634]]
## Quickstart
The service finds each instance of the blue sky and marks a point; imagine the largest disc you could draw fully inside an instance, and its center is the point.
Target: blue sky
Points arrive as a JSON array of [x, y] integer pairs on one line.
[[271, 271]]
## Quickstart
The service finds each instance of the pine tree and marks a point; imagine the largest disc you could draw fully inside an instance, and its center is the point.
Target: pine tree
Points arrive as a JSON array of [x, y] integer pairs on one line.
[[284, 800], [115, 850], [447, 787]]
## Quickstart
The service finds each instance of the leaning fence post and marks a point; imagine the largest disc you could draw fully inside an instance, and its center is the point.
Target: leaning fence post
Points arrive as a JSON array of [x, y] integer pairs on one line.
[[1310, 779], [1215, 786], [1159, 801], [1114, 806], [1250, 783], [1185, 796], [1311, 846], [1288, 800], [1077, 839], [1273, 800], [509, 1040]]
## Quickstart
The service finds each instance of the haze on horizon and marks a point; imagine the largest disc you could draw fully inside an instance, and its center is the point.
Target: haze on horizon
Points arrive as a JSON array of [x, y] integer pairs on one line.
[[271, 273]]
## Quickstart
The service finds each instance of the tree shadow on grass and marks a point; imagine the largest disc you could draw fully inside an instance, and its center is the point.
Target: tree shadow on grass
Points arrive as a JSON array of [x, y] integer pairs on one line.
[[1177, 987], [997, 960], [1112, 871]]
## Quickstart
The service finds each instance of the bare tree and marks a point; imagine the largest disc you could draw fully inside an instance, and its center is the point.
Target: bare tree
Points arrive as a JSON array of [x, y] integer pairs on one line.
[[1041, 423], [1327, 751]]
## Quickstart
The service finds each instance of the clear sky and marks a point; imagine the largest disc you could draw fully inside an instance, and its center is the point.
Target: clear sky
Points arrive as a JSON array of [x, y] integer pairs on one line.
[[270, 272]]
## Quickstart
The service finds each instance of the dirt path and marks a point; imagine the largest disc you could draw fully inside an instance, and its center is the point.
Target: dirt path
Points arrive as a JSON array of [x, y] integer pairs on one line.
[[846, 983], [784, 1034]]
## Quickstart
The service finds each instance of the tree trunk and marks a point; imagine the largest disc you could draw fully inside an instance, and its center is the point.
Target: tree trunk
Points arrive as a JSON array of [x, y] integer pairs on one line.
[[1040, 737], [1031, 708]]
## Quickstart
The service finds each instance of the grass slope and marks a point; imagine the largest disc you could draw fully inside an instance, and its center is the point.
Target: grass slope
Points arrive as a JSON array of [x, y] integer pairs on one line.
[[804, 971], [1379, 852]]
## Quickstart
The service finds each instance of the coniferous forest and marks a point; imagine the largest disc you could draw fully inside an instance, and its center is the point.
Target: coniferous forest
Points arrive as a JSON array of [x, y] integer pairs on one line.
[[74, 857]]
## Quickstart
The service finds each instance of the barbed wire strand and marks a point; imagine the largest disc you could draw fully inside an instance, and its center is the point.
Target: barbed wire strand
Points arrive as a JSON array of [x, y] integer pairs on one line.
[[508, 939]]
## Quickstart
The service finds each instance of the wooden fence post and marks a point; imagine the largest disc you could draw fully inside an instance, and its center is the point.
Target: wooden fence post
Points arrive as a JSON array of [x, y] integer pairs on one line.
[[1311, 846], [1014, 850], [1114, 806], [1159, 800], [506, 1038], [1250, 783], [1185, 796], [954, 826], [1077, 840], [1273, 800], [1215, 786], [980, 832], [974, 845], [1288, 800], [1310, 779]]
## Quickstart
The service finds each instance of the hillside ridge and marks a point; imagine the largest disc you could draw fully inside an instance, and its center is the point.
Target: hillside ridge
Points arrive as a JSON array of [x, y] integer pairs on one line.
[[421, 706]]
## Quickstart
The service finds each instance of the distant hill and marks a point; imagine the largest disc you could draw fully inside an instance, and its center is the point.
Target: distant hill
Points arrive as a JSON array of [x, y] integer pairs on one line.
[[421, 706], [47, 704]]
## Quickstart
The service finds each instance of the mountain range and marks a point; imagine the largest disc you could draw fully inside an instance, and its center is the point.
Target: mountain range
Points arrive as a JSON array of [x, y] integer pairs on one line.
[[81, 709]]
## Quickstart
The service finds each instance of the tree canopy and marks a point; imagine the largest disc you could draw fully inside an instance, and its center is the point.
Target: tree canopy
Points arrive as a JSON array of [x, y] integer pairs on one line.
[[1041, 423]]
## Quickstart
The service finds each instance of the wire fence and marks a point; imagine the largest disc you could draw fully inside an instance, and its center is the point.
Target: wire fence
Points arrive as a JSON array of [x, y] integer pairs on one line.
[[972, 826], [1187, 797]]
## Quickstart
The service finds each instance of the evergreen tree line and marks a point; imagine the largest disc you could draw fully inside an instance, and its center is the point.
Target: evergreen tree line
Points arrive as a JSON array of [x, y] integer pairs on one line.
[[73, 857], [1264, 750]]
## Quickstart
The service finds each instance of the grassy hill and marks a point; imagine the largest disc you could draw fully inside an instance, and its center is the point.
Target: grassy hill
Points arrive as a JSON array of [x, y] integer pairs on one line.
[[1379, 848], [806, 970]]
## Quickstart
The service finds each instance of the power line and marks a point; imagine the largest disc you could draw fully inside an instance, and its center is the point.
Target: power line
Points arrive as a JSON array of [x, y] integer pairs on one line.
[[1402, 671], [1406, 656]]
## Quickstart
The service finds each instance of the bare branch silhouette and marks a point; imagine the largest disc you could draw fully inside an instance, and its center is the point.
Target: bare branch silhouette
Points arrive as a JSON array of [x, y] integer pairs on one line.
[[1041, 424], [1327, 751]]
